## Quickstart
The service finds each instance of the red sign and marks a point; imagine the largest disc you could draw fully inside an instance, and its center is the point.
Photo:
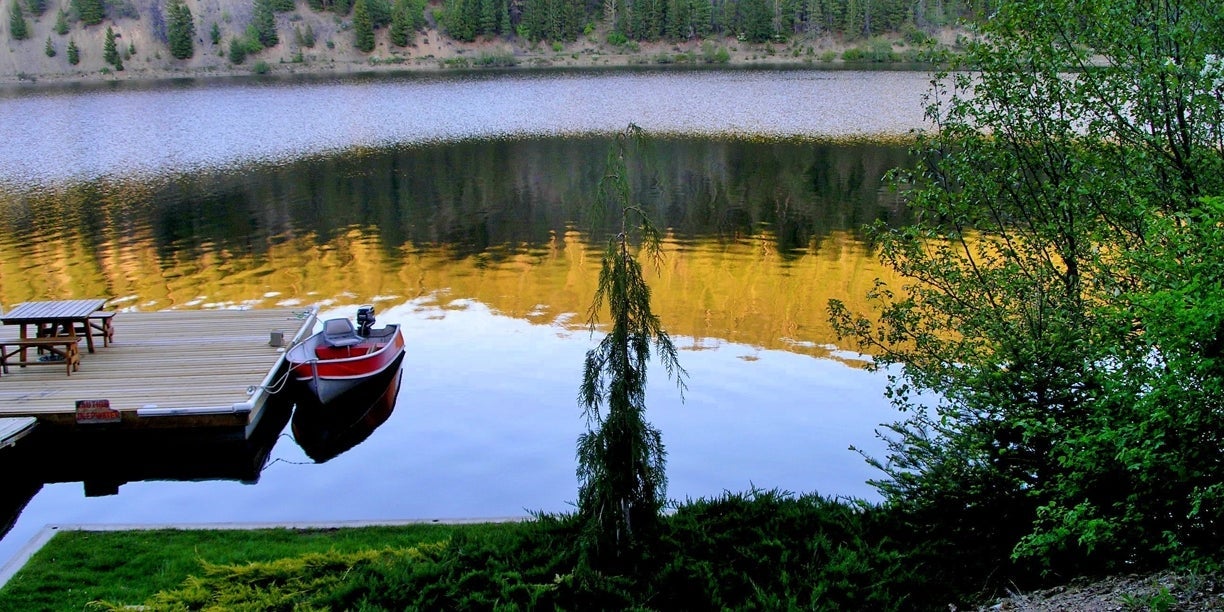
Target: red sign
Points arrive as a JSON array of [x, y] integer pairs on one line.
[[96, 411]]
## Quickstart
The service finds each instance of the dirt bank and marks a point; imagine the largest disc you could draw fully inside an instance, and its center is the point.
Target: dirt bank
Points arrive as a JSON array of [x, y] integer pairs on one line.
[[147, 57]]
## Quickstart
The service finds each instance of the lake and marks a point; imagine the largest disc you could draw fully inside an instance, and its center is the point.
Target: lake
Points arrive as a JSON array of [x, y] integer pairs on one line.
[[461, 207]]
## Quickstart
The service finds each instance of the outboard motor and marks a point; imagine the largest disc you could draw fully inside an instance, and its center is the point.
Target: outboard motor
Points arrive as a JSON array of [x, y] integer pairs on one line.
[[365, 320]]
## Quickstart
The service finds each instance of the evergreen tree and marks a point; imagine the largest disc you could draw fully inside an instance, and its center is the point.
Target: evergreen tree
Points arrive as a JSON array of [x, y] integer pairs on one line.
[[214, 34], [703, 17], [90, 12], [503, 21], [380, 12], [489, 18], [363, 27], [679, 19], [621, 460], [118, 64], [18, 27], [37, 7], [131, 50], [459, 20], [74, 52], [61, 22], [49, 49], [756, 20], [308, 37], [282, 6], [180, 29], [264, 22], [110, 54], [402, 32], [237, 51]]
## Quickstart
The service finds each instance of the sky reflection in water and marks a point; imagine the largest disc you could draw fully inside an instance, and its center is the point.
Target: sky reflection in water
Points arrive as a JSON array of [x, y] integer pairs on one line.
[[486, 424]]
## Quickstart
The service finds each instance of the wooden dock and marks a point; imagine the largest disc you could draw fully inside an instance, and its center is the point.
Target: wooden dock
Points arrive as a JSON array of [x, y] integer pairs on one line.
[[14, 429], [200, 369]]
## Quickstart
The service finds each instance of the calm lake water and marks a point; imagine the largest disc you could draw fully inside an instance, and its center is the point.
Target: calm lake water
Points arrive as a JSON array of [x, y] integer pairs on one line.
[[459, 206]]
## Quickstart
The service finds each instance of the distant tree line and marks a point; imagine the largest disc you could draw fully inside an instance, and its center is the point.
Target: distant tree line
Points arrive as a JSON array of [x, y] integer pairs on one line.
[[678, 20], [754, 21]]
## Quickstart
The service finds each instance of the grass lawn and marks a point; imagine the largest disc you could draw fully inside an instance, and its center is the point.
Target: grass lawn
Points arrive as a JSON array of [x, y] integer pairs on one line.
[[126, 567]]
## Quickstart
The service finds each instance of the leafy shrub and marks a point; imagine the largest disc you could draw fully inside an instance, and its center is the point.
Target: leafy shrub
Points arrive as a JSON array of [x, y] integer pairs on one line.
[[616, 38], [504, 58], [914, 36], [714, 54], [121, 9]]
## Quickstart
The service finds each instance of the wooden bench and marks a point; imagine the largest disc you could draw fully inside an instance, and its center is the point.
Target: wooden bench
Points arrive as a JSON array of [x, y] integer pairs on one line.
[[66, 347], [101, 321]]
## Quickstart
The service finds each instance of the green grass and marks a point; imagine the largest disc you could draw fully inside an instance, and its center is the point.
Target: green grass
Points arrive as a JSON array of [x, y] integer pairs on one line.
[[757, 550], [128, 567]]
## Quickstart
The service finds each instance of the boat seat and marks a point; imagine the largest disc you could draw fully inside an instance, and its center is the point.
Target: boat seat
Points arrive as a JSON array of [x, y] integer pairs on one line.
[[340, 333]]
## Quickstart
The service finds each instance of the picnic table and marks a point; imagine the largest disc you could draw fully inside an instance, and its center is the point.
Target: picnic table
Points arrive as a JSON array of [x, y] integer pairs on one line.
[[69, 318]]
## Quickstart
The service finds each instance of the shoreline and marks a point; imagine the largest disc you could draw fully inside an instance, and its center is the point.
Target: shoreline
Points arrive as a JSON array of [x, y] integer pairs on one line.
[[156, 77], [435, 54]]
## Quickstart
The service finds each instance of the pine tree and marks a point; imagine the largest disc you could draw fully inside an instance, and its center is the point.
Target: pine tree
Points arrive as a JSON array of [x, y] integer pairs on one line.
[[621, 461], [363, 27], [488, 16], [50, 48], [90, 12], [380, 12], [402, 33], [37, 7], [215, 34], [180, 30], [237, 51], [18, 27], [264, 21], [110, 54], [61, 22], [74, 52]]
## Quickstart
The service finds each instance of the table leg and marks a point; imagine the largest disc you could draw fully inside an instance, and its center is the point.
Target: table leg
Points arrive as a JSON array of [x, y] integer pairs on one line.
[[24, 336], [88, 333]]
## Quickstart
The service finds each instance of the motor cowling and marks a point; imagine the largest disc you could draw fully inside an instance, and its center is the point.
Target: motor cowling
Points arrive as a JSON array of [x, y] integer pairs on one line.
[[365, 320]]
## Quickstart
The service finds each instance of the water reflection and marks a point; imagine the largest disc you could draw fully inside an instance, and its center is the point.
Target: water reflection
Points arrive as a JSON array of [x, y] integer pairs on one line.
[[485, 255], [760, 234], [326, 431]]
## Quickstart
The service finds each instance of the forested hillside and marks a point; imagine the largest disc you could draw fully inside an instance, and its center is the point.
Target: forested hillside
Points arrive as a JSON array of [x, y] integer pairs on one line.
[[139, 38]]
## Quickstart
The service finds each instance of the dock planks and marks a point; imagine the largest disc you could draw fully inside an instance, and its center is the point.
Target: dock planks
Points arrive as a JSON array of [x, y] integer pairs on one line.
[[14, 429], [166, 369]]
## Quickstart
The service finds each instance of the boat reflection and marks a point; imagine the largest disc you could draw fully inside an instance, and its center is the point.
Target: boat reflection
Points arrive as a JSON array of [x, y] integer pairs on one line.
[[325, 431]]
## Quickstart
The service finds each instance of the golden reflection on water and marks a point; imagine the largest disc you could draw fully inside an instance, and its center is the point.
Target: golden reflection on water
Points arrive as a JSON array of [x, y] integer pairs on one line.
[[709, 290]]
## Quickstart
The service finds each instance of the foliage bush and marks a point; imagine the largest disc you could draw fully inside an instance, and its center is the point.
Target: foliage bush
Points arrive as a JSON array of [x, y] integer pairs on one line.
[[495, 59], [121, 9], [1057, 346]]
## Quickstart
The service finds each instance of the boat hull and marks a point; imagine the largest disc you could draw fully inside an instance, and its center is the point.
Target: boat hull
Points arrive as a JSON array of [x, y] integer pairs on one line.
[[324, 374]]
